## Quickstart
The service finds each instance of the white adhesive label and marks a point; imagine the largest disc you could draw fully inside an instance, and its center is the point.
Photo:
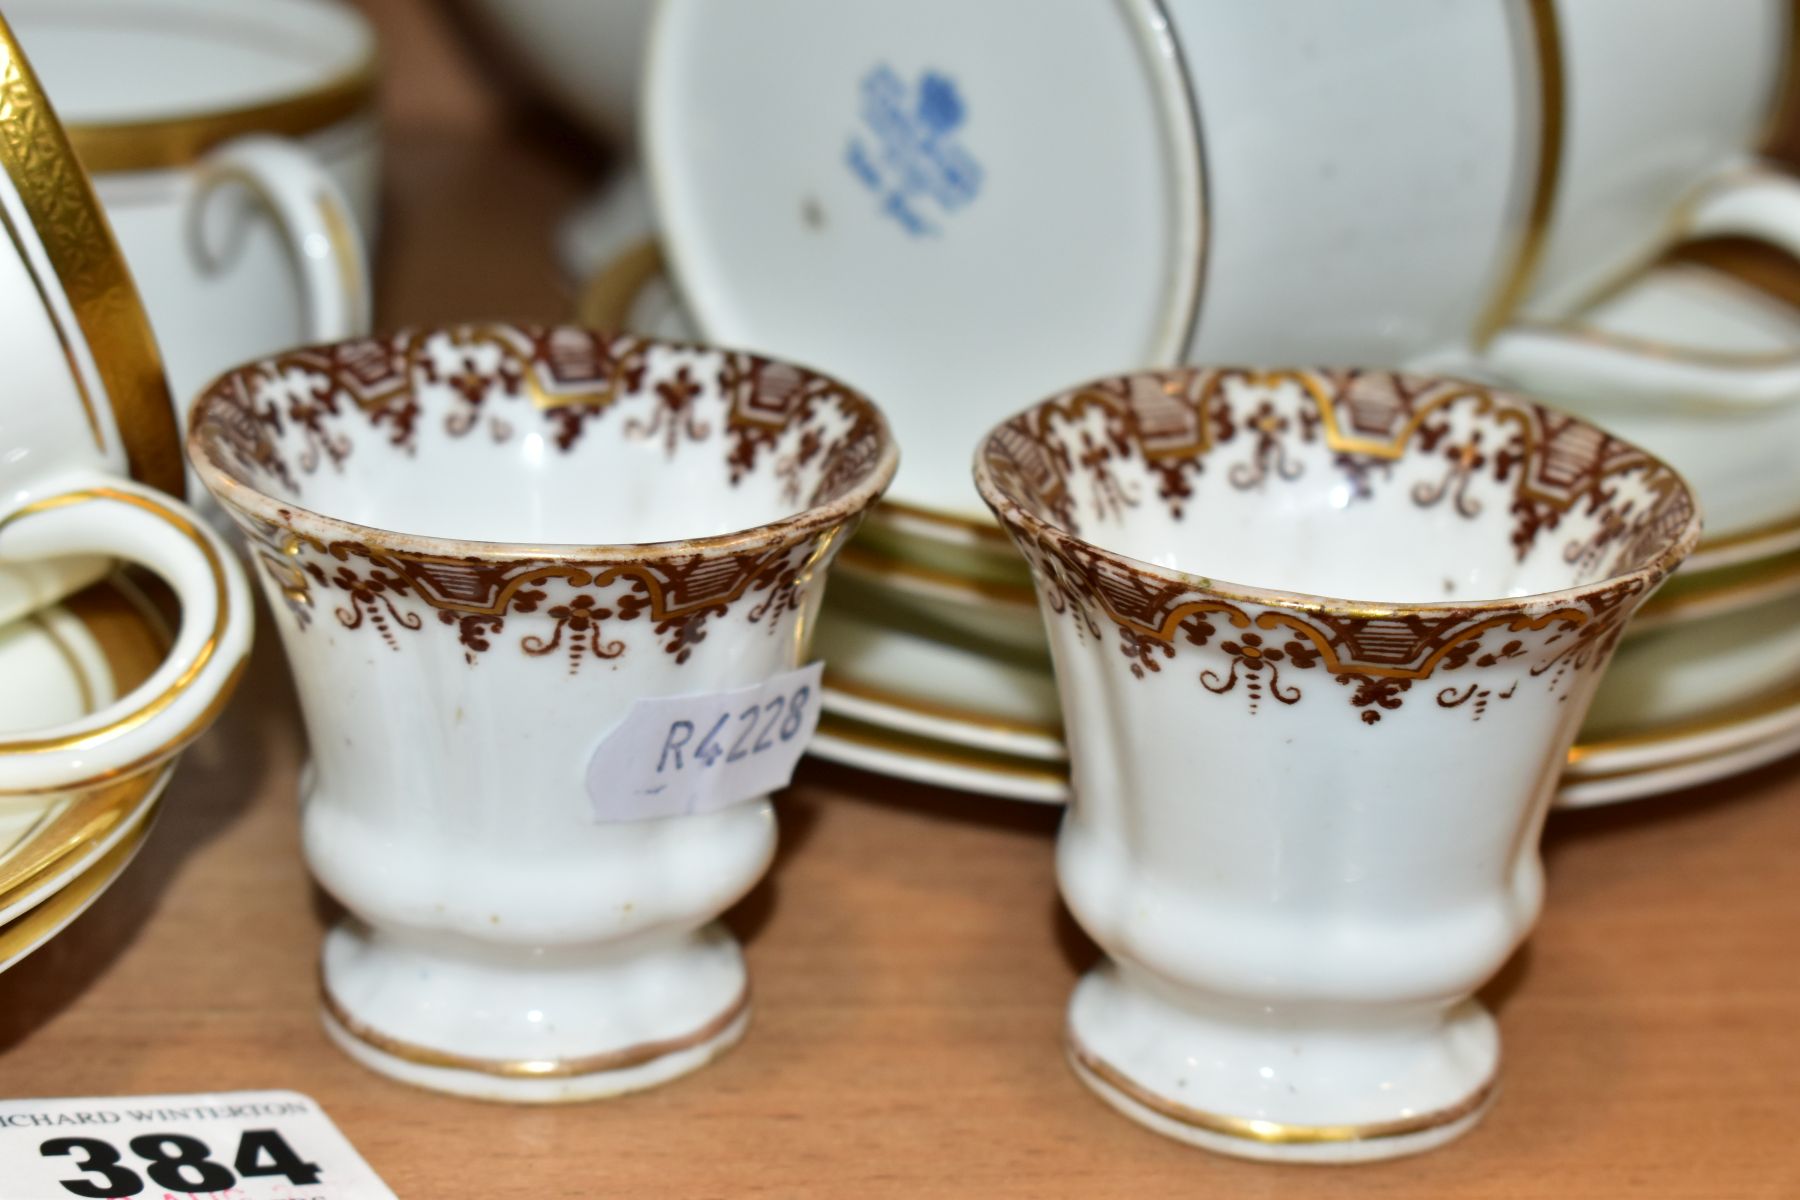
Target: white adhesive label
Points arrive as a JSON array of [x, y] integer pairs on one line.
[[674, 755], [245, 1145]]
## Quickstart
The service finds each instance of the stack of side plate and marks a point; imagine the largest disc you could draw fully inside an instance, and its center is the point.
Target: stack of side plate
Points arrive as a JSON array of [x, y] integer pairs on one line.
[[937, 670], [60, 850]]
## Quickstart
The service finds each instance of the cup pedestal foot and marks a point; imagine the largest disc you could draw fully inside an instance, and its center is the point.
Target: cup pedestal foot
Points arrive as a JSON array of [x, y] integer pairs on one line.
[[1234, 1078], [497, 1023]]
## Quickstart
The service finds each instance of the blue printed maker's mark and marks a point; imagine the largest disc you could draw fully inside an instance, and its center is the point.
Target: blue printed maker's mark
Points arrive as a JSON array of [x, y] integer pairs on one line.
[[907, 152]]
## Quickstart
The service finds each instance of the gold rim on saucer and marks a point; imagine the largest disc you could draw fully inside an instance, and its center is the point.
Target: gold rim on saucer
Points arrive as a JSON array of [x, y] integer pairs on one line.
[[1012, 776], [533, 1068], [66, 217], [128, 637], [1688, 597], [1594, 757], [1734, 548], [1544, 36], [890, 571], [1273, 1133], [31, 929]]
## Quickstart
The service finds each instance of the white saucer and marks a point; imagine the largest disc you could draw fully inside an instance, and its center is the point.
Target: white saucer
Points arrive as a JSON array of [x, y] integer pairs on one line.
[[1739, 459], [72, 897], [60, 663]]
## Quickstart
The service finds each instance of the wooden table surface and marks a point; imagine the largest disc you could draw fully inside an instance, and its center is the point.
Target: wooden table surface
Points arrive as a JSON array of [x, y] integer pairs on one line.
[[910, 957]]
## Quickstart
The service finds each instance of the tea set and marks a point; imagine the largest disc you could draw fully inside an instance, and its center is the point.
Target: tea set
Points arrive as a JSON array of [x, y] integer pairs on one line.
[[1309, 652]]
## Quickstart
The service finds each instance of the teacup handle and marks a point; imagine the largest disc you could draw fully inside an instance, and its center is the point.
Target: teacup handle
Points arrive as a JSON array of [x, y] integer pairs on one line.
[[314, 216], [1754, 201], [101, 514]]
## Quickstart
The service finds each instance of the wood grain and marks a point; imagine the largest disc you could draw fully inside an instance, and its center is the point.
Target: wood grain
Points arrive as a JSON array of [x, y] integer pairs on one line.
[[909, 954]]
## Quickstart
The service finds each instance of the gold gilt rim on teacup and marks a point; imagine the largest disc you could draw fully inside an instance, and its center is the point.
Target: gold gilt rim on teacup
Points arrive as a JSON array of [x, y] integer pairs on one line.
[[180, 137], [1015, 516], [67, 218], [162, 143]]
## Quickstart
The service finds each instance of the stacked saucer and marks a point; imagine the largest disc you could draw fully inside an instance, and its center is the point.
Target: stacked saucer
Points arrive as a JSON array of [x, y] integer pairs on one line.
[[60, 849], [936, 668], [97, 699]]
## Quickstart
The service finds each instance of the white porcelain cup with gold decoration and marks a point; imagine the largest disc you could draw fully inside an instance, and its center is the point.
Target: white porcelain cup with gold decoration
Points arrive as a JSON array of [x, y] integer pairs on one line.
[[87, 435], [1023, 192], [236, 151], [484, 545], [1661, 109], [1323, 640]]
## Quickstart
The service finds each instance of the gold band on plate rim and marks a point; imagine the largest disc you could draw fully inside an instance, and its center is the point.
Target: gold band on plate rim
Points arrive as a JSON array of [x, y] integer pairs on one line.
[[533, 1068], [1777, 533], [1528, 244], [1775, 703], [1748, 585], [1274, 1133], [933, 750], [79, 243], [25, 932], [882, 567], [935, 709]]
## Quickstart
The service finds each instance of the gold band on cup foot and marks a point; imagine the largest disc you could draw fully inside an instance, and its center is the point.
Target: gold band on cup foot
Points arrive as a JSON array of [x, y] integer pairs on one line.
[[536, 1081], [1275, 1141]]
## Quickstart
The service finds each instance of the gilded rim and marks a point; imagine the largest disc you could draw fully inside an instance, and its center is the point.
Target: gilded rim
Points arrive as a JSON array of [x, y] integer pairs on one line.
[[190, 671], [1656, 348], [1730, 549], [533, 1068], [1528, 246], [1680, 763], [1171, 75], [1736, 716], [936, 753], [1015, 515], [169, 142], [85, 257], [937, 711], [132, 647], [222, 478], [29, 930], [909, 576], [1274, 1133], [1745, 587]]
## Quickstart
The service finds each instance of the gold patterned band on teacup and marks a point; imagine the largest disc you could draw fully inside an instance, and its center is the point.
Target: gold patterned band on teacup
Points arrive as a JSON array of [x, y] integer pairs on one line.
[[67, 219]]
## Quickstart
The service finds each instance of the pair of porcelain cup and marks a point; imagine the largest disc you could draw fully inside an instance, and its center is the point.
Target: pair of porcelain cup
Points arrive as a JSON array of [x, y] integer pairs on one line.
[[1305, 828]]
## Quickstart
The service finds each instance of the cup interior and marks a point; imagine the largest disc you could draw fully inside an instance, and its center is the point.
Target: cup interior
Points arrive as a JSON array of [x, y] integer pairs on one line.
[[1376, 487], [114, 61], [563, 436]]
